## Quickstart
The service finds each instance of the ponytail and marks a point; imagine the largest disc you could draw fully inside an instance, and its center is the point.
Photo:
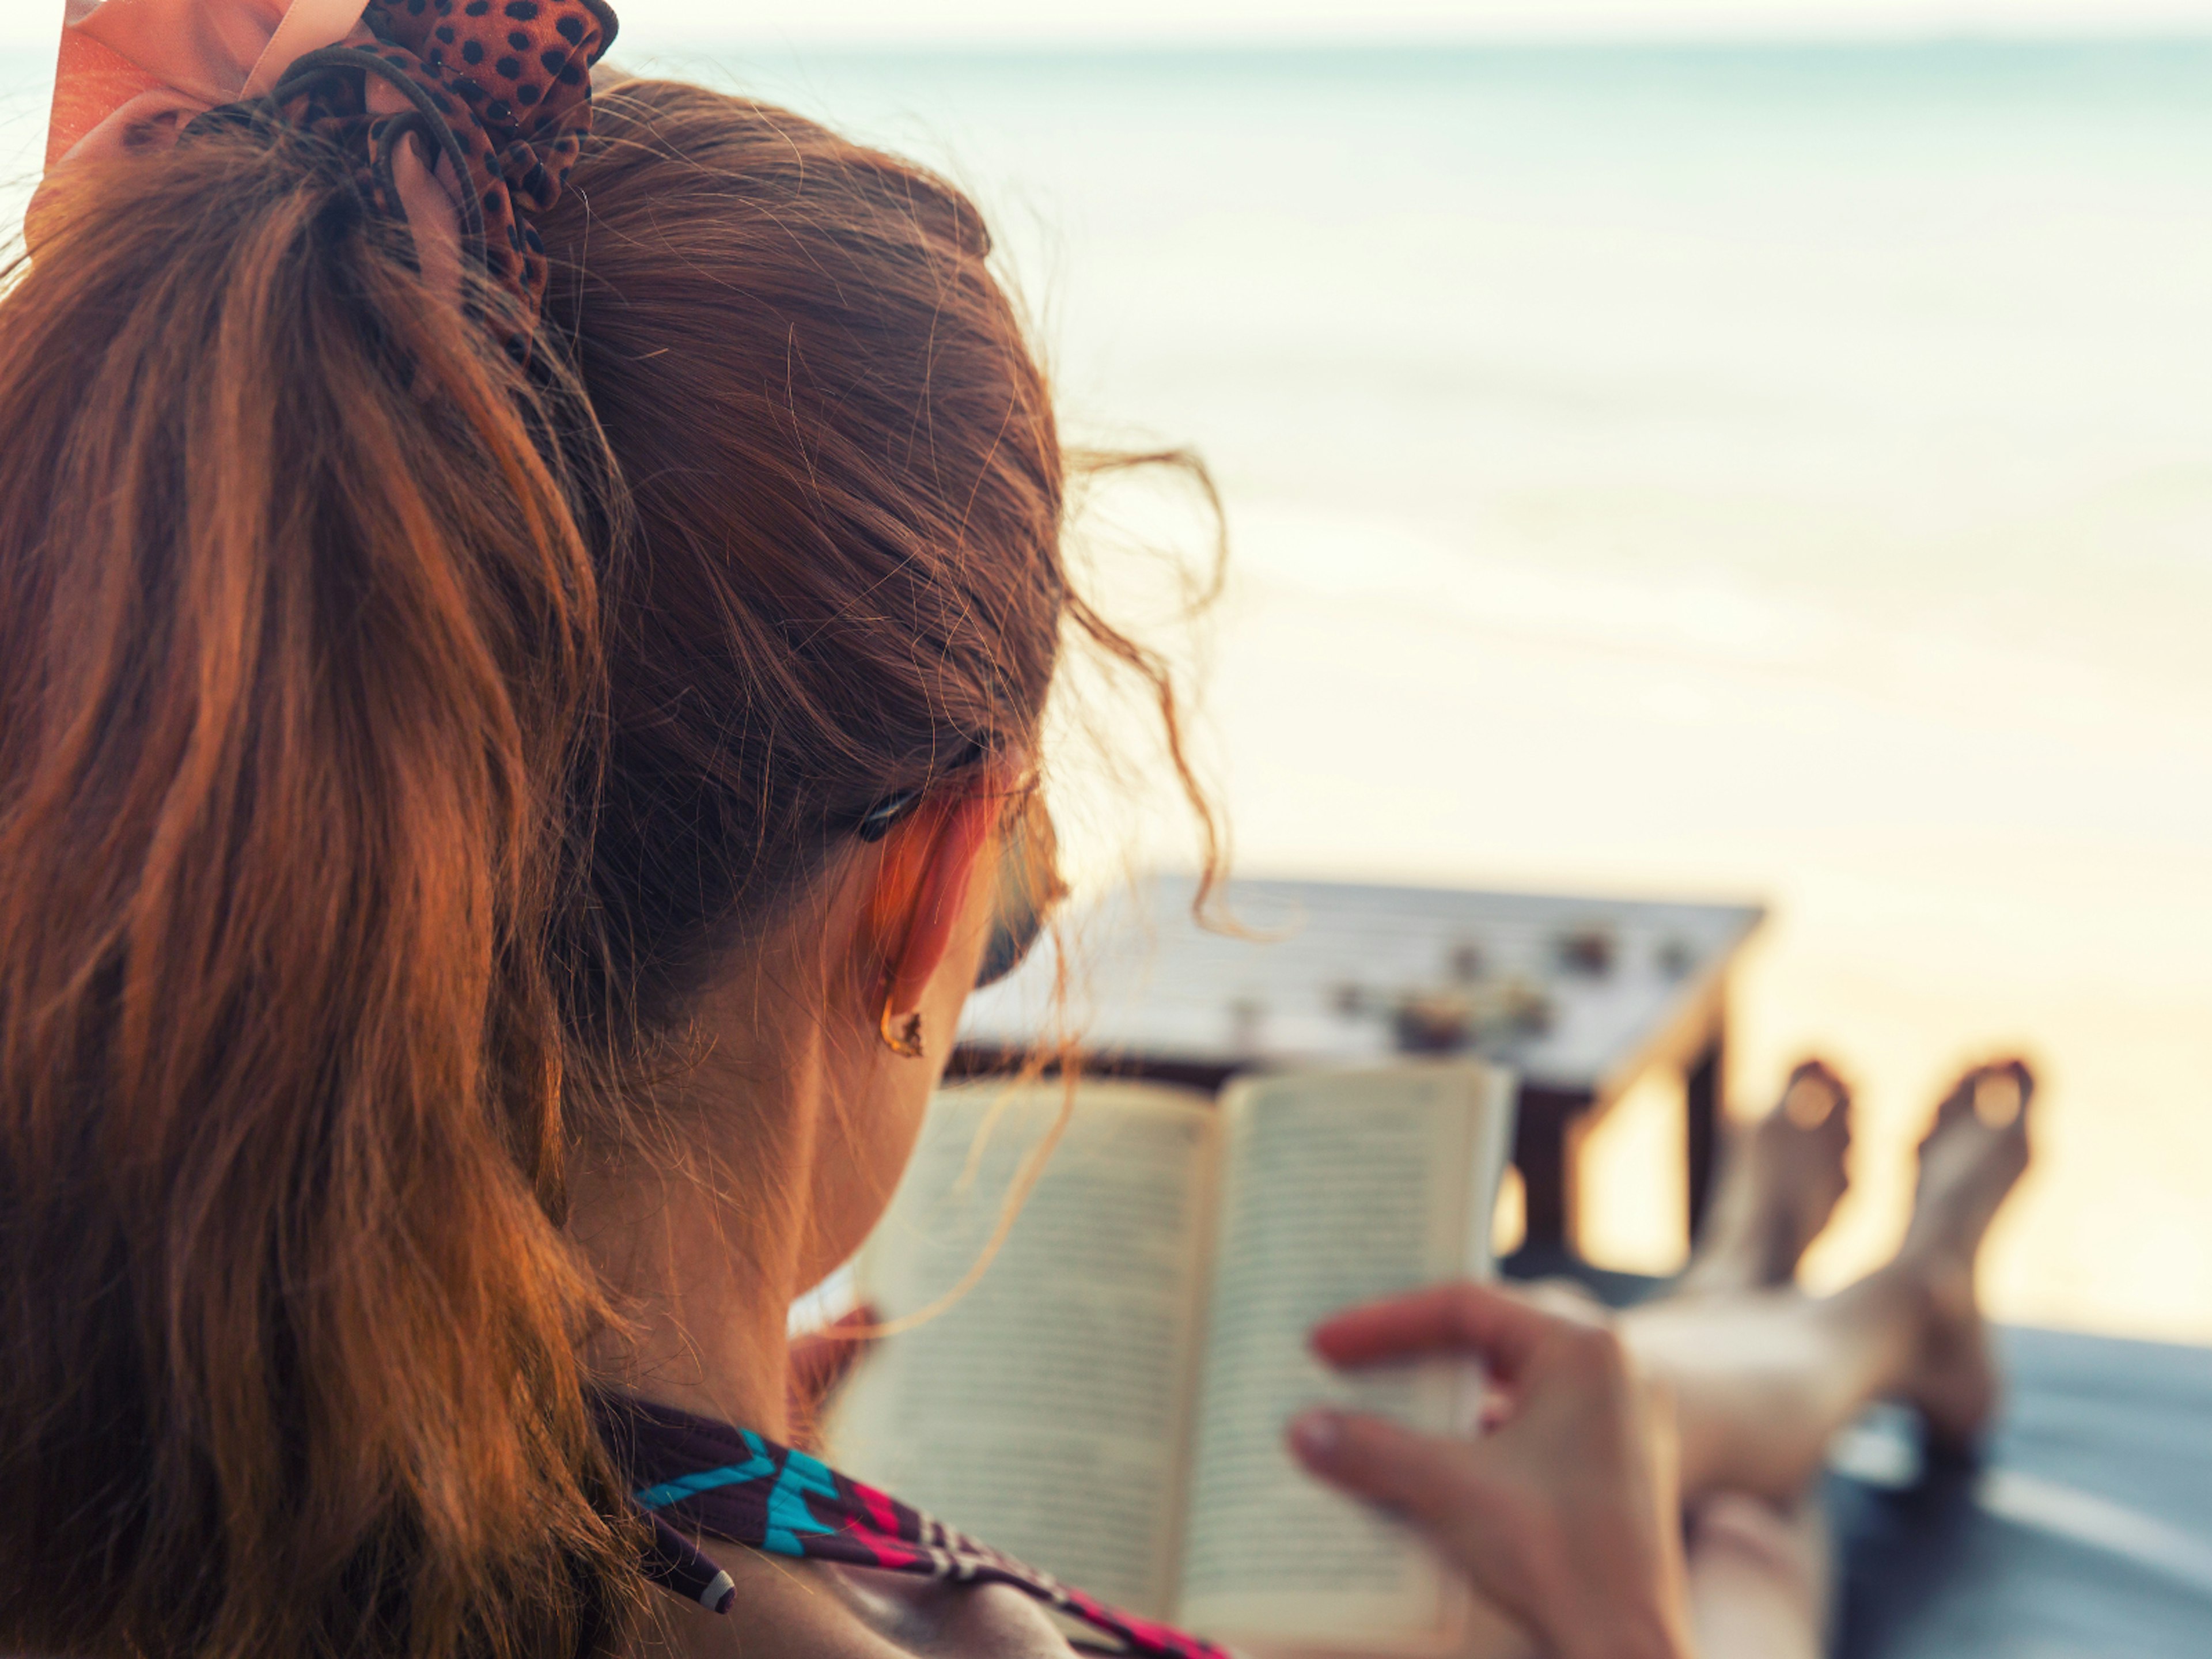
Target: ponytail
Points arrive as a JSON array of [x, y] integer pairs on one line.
[[297, 638]]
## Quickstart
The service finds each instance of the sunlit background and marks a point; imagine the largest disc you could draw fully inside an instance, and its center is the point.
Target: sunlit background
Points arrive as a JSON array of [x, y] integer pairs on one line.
[[1749, 450]]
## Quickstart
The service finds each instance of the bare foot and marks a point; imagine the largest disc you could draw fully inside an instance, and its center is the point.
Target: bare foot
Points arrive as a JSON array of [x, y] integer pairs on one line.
[[1782, 1180], [1970, 1161]]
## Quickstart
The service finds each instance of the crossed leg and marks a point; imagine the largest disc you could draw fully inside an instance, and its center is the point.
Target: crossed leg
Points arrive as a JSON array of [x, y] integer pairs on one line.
[[1761, 1377]]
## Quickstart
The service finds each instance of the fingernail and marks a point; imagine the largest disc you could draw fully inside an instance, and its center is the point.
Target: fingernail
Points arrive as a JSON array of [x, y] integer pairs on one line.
[[1316, 1434]]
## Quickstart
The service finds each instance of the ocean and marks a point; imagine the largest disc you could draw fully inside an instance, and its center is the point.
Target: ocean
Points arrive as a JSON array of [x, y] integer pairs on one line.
[[1768, 471]]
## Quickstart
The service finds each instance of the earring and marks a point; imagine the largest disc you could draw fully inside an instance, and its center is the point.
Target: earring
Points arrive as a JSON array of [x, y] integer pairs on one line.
[[901, 1033]]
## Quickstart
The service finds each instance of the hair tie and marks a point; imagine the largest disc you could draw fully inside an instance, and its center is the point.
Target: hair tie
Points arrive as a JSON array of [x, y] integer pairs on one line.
[[462, 117]]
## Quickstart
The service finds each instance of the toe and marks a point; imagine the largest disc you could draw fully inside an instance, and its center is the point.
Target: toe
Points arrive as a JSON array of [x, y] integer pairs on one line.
[[2000, 1098], [1960, 1103], [1814, 1096]]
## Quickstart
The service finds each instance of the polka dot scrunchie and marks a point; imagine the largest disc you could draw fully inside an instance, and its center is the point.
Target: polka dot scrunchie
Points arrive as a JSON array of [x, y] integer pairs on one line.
[[501, 89], [460, 118]]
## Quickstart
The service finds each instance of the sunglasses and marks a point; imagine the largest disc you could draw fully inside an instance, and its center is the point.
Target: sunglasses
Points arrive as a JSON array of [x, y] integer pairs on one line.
[[1027, 876], [1030, 888]]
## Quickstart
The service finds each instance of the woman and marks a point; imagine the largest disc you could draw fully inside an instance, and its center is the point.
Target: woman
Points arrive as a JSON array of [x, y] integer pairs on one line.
[[524, 626]]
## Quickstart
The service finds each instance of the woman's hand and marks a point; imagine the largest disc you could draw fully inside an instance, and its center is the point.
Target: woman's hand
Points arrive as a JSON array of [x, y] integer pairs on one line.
[[1564, 1512]]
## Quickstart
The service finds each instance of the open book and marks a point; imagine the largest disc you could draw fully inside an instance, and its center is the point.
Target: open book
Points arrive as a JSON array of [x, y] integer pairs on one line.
[[1109, 1402]]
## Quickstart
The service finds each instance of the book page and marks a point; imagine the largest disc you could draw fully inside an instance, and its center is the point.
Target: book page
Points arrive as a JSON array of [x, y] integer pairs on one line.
[[1046, 1413], [1337, 1187]]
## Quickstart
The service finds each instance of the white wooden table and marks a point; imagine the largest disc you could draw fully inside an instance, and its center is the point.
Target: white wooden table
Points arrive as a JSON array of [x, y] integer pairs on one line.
[[1582, 996]]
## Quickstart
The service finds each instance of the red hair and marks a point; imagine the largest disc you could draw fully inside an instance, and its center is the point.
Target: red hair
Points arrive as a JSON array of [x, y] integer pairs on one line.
[[393, 740]]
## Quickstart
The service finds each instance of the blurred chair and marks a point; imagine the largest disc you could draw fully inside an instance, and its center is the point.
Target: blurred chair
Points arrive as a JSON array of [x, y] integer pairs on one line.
[[2084, 1531]]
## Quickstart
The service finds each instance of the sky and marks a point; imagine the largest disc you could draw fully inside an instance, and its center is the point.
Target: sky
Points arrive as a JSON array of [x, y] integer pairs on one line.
[[653, 22], [1262, 20]]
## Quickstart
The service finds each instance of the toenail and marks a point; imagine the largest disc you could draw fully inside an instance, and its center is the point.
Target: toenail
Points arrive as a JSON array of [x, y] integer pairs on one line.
[[1808, 1102], [1997, 1098]]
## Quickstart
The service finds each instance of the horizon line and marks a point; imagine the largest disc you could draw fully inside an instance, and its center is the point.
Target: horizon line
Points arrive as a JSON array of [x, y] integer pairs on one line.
[[2192, 36], [981, 46], [1354, 36]]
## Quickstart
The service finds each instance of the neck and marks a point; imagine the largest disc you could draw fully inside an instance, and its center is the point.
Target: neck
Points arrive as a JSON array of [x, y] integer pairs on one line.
[[702, 1254], [703, 1323]]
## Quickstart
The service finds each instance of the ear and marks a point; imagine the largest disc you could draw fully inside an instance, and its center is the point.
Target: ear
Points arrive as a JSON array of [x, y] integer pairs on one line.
[[921, 886]]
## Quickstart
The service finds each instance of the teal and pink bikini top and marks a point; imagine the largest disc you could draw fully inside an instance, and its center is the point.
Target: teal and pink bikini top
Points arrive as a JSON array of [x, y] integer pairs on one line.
[[732, 1484]]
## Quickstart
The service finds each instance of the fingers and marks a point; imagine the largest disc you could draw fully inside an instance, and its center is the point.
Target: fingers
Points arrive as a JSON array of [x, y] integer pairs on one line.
[[1418, 1475], [1464, 1319], [1563, 1298], [1566, 1515]]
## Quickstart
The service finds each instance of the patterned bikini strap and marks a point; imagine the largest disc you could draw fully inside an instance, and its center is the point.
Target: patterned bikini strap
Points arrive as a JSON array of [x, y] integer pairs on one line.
[[731, 1484]]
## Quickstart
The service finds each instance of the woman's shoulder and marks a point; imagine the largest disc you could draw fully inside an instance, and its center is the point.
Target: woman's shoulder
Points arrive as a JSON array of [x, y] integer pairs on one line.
[[820, 1610]]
